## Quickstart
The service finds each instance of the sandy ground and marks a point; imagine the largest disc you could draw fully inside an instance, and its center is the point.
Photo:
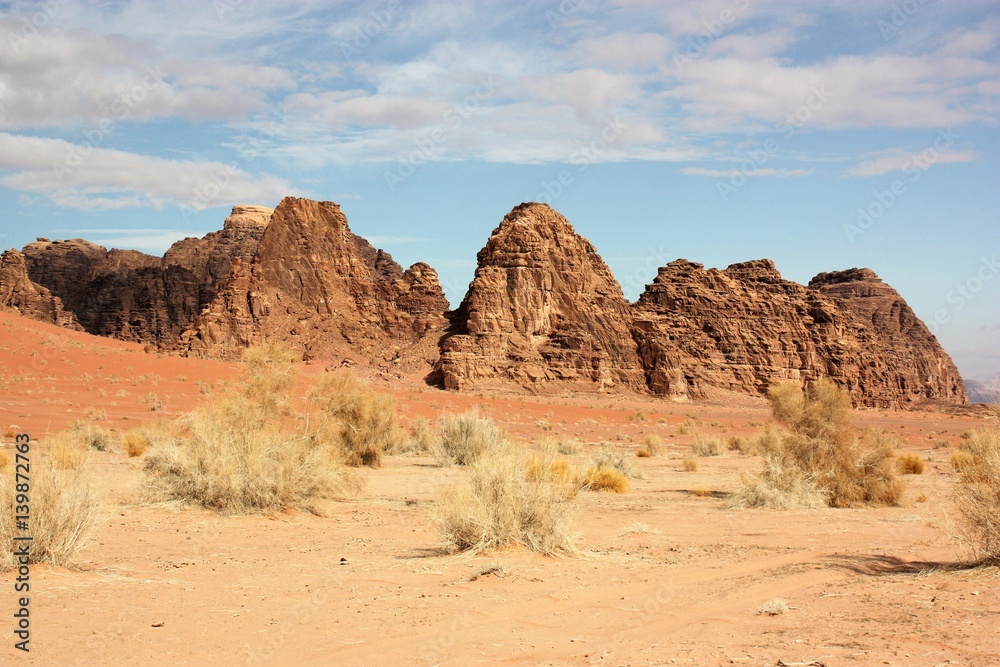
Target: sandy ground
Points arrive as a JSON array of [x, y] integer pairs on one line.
[[669, 575]]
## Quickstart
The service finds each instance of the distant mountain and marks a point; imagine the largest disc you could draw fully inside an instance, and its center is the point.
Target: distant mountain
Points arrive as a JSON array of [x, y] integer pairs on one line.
[[984, 392], [543, 313]]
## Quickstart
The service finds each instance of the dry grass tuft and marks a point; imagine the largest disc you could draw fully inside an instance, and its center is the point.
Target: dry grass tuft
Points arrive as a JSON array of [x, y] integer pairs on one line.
[[68, 450], [604, 478], [652, 444], [690, 465], [778, 486], [704, 445], [466, 437], [236, 455], [420, 437], [977, 497], [64, 511], [507, 501], [820, 454], [90, 435], [135, 444], [4, 460], [910, 464], [362, 422]]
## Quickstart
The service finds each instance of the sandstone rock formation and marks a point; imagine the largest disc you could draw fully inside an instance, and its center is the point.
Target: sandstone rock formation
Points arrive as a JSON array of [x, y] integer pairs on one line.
[[322, 289], [137, 297], [899, 360], [543, 311], [745, 328], [20, 294]]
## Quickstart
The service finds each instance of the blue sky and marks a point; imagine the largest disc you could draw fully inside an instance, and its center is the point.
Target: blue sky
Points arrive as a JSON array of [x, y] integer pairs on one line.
[[821, 135]]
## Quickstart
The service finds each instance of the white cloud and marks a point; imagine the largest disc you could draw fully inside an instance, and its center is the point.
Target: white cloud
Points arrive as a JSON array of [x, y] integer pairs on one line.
[[89, 178], [625, 51], [728, 173], [66, 78], [902, 161]]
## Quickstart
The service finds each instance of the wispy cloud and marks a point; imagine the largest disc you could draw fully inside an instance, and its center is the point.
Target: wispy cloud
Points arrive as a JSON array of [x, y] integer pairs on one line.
[[89, 178], [903, 161], [728, 173]]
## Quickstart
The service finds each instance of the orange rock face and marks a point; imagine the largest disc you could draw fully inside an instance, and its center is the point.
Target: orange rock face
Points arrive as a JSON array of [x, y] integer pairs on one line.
[[543, 310], [325, 291], [137, 297], [20, 294], [745, 328]]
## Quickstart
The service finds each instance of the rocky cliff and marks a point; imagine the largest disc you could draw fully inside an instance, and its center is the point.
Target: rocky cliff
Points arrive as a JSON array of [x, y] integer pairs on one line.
[[543, 311], [323, 290], [20, 294], [745, 328], [138, 297]]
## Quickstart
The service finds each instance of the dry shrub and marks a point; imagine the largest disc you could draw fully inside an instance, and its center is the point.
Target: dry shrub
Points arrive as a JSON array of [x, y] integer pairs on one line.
[[90, 435], [567, 446], [652, 444], [4, 460], [135, 444], [604, 478], [910, 464], [237, 457], [420, 437], [977, 497], [778, 486], [690, 465], [610, 458], [738, 444], [507, 501], [362, 422], [67, 450], [820, 453], [704, 445], [64, 511], [466, 437], [643, 453], [968, 466]]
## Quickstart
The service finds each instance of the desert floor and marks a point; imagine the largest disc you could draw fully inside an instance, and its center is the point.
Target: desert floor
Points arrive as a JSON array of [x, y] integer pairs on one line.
[[669, 574]]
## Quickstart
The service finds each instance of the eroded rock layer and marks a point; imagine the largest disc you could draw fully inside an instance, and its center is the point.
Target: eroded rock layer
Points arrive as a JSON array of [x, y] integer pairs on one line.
[[745, 328], [20, 294], [542, 311], [323, 290], [138, 297]]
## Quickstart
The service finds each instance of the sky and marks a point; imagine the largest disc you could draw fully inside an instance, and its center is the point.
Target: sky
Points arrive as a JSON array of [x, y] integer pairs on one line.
[[824, 136]]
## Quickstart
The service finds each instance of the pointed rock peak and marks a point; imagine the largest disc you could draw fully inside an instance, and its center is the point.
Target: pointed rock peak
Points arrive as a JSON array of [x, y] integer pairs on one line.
[[848, 276], [542, 218]]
